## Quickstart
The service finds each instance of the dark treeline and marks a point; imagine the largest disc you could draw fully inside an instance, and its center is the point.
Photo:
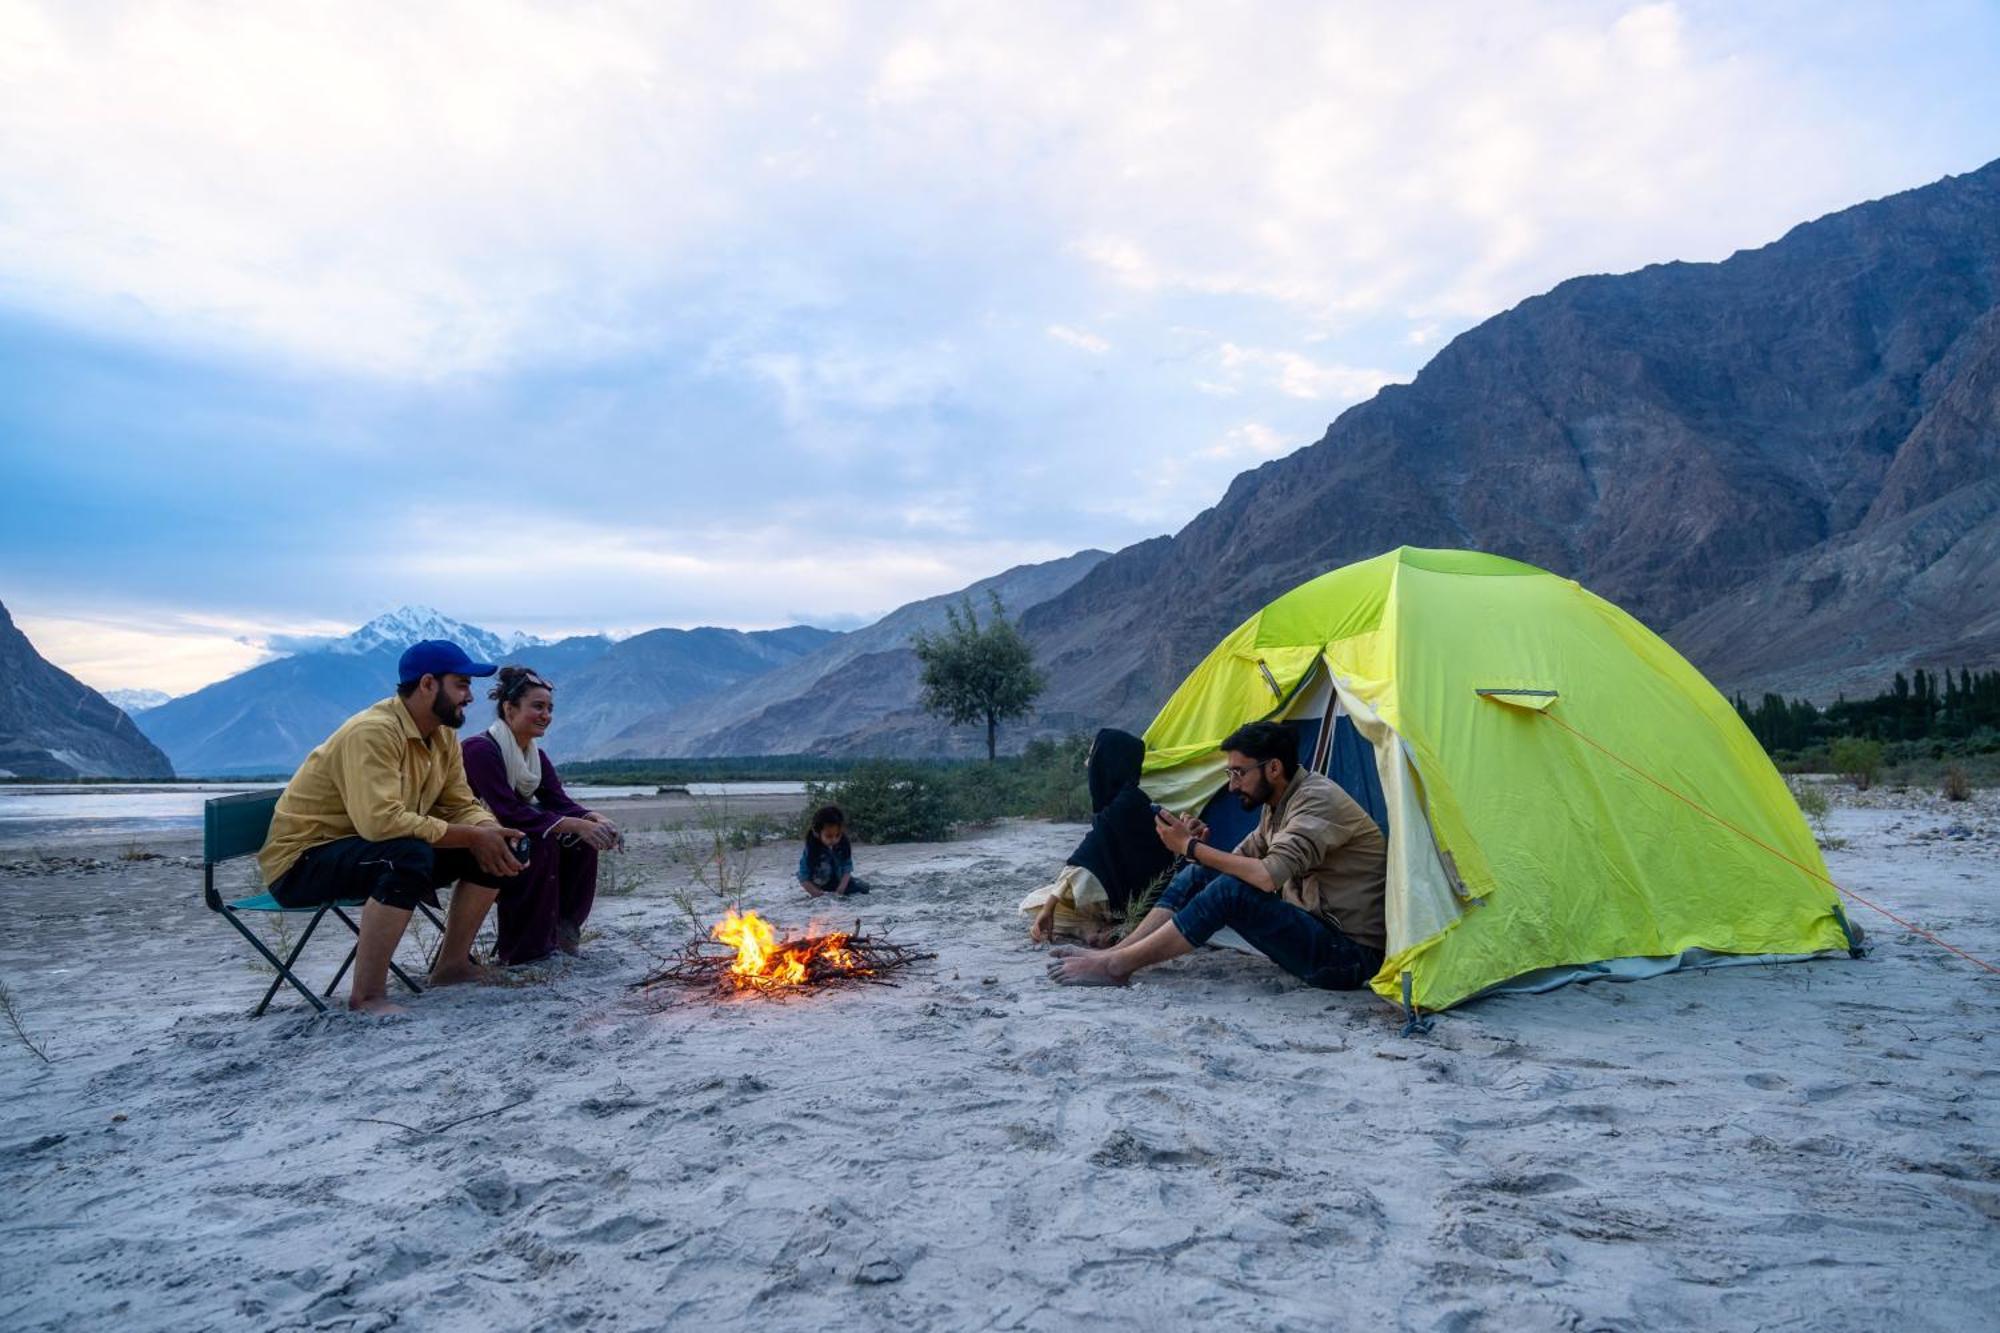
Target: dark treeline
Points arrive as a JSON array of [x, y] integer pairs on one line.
[[1923, 705]]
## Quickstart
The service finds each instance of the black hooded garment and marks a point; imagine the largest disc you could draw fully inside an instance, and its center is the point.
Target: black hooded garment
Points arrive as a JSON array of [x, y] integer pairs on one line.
[[1121, 849]]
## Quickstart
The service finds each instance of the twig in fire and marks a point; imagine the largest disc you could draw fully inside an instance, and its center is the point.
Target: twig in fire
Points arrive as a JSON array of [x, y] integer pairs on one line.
[[819, 962]]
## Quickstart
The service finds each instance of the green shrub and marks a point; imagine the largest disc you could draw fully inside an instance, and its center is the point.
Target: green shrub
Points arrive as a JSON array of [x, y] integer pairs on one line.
[[888, 802], [1057, 787], [756, 830], [1814, 805], [1957, 787], [980, 793], [1859, 761]]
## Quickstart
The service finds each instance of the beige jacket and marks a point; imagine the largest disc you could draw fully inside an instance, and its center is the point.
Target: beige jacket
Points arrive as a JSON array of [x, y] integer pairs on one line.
[[1326, 855]]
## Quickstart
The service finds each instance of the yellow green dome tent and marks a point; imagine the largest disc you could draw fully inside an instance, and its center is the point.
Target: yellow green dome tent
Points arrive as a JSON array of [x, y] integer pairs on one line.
[[1563, 794]]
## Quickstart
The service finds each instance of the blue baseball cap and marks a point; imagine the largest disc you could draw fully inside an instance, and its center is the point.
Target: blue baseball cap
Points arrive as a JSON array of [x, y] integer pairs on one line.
[[439, 657]]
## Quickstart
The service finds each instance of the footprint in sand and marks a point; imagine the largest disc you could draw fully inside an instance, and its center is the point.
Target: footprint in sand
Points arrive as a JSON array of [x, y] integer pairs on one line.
[[1545, 1182], [1766, 1082]]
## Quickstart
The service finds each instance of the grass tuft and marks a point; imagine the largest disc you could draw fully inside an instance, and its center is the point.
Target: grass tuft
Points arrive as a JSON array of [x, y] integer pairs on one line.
[[12, 1010]]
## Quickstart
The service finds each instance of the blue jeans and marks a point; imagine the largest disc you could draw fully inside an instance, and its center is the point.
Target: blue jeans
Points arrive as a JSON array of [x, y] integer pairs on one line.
[[1203, 901]]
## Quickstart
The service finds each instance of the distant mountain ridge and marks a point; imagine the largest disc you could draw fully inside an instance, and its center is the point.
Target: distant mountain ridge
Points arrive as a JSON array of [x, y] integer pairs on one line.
[[827, 699], [665, 692], [265, 719], [649, 677], [52, 725]]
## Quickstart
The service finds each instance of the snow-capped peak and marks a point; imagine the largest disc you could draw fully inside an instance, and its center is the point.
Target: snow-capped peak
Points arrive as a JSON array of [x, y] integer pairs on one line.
[[404, 626], [137, 701]]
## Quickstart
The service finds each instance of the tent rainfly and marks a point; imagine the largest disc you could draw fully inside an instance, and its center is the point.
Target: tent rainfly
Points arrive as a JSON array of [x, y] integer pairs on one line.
[[1564, 796]]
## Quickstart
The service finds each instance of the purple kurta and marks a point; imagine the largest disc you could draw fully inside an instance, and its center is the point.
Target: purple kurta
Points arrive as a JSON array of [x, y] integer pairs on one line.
[[561, 882]]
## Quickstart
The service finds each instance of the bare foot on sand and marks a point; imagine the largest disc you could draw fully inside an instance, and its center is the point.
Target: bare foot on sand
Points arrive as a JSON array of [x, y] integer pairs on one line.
[[1084, 967], [376, 1006], [460, 973], [1073, 951]]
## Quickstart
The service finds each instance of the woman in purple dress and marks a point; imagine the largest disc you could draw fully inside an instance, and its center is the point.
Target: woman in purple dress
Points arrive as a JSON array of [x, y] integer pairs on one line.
[[518, 783]]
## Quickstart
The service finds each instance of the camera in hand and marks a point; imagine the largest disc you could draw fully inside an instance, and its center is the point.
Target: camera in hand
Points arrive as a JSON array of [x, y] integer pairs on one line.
[[520, 848]]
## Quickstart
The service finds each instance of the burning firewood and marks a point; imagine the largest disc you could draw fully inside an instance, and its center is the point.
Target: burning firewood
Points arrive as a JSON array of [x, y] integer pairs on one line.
[[745, 954]]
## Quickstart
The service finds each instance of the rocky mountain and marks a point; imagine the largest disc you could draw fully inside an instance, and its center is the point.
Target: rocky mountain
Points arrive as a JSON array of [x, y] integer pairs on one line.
[[52, 725], [652, 675], [1787, 462], [831, 698], [135, 702]]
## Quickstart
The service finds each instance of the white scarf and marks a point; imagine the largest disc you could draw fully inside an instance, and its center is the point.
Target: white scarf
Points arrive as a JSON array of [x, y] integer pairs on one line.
[[524, 767]]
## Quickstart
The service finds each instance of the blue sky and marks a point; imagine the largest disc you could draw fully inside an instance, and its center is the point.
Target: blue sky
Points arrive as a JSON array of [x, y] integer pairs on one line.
[[574, 318]]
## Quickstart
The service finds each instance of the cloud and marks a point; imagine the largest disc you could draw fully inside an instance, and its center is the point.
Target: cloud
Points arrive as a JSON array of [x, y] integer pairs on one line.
[[1297, 376], [286, 644], [854, 380], [506, 182], [745, 574], [872, 300], [1077, 338], [144, 648], [1252, 441]]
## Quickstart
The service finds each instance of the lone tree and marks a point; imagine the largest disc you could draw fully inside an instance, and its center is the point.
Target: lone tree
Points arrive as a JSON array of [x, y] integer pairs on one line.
[[975, 673]]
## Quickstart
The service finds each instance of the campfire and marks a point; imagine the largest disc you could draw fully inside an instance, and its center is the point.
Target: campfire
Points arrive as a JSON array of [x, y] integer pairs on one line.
[[745, 954]]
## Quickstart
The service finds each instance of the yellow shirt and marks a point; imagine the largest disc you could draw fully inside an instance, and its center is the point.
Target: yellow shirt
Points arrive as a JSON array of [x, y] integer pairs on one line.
[[377, 778]]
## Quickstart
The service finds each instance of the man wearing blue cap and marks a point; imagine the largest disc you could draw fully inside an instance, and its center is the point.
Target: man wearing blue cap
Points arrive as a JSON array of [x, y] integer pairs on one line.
[[381, 810]]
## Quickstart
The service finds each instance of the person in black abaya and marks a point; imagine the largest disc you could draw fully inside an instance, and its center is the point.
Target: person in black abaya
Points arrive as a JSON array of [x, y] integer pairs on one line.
[[1117, 860]]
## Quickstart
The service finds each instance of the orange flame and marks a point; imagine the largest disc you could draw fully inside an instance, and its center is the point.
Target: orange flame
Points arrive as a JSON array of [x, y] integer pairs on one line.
[[763, 962]]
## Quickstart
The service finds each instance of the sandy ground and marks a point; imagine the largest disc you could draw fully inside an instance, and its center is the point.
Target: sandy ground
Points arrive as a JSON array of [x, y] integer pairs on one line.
[[1811, 1146]]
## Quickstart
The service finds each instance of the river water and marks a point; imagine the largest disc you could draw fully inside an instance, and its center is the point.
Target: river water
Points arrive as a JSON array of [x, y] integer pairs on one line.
[[59, 812]]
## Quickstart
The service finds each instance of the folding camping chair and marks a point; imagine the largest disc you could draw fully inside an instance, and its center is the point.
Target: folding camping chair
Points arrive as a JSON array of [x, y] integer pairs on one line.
[[234, 826]]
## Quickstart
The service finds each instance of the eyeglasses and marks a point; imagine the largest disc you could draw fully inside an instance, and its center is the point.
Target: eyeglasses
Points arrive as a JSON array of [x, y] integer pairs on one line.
[[1238, 774]]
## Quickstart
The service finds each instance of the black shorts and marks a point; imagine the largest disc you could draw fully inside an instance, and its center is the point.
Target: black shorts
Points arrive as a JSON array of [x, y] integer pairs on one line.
[[400, 873]]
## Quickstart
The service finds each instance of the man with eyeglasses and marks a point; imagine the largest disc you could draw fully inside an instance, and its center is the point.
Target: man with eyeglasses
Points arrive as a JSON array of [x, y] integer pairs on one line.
[[1305, 888], [380, 810]]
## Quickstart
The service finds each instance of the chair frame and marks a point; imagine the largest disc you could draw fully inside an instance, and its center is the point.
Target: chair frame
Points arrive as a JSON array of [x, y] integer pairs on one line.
[[226, 823]]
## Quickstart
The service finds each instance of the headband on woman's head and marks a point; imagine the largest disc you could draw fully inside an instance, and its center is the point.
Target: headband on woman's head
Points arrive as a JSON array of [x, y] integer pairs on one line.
[[513, 687]]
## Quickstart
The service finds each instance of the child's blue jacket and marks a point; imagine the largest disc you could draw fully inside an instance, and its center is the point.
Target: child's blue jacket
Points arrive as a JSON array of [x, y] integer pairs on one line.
[[820, 864]]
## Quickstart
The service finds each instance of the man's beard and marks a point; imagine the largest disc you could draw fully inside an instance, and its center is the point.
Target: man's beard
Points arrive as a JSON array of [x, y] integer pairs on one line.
[[448, 712], [1251, 800]]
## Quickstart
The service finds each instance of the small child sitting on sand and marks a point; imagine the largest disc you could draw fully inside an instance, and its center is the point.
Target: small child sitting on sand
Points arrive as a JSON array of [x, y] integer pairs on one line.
[[827, 863]]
